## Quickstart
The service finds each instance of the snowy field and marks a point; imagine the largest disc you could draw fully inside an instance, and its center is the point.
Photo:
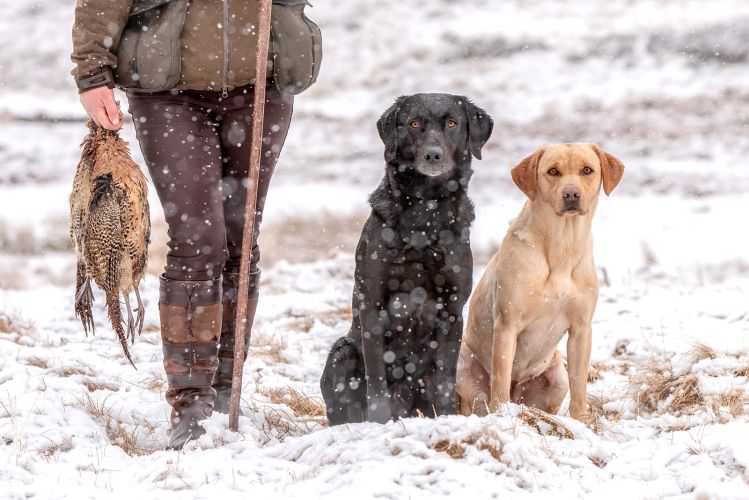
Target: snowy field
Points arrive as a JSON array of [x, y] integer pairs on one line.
[[663, 85]]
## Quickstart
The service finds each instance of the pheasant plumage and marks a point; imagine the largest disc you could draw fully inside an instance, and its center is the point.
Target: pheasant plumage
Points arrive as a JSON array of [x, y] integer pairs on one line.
[[110, 227]]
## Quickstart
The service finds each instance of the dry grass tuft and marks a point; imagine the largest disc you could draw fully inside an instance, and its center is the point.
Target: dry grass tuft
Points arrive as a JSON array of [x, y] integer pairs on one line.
[[94, 385], [69, 371], [11, 321], [655, 383], [595, 413], [126, 439], [53, 449], [454, 450], [117, 433], [38, 362], [303, 405], [595, 371], [486, 440], [743, 372], [733, 401], [544, 423], [679, 427], [273, 346], [700, 351], [280, 424]]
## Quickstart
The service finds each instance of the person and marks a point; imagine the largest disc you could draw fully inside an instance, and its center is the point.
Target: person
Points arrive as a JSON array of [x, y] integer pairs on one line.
[[193, 126]]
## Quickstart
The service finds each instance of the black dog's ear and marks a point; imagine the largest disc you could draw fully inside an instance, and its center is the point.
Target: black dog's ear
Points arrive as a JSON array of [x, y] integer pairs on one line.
[[387, 128], [480, 126]]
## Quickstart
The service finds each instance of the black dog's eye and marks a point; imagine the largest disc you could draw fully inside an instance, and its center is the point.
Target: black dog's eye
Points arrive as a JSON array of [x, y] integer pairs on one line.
[[587, 171], [415, 124], [553, 171], [452, 124]]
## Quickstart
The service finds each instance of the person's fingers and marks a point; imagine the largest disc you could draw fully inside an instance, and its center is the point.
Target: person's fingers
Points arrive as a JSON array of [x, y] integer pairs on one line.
[[101, 107], [94, 118], [112, 112], [102, 120]]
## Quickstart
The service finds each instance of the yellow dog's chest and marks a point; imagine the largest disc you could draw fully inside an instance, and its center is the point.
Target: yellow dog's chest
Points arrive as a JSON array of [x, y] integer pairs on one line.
[[548, 317]]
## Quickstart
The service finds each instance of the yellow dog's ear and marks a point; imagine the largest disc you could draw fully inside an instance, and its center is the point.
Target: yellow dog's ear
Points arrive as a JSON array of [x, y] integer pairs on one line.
[[612, 169], [525, 174]]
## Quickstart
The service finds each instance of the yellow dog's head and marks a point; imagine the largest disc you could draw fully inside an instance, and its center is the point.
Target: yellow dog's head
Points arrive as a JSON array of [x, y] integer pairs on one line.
[[568, 177]]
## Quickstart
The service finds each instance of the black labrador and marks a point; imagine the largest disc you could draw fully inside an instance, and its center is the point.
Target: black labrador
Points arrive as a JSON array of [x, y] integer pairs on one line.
[[413, 267]]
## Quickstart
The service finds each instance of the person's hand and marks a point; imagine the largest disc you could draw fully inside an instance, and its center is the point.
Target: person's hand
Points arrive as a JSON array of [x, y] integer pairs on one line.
[[101, 108]]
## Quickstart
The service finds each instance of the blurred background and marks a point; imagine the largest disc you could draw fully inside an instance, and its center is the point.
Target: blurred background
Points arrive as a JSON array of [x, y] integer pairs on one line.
[[663, 85]]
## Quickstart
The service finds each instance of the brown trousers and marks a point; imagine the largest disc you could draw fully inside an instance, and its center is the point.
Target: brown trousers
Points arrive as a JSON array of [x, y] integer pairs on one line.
[[197, 148]]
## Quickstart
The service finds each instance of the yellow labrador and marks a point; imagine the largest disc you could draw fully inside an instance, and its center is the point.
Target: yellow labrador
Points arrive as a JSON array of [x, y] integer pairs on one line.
[[540, 285]]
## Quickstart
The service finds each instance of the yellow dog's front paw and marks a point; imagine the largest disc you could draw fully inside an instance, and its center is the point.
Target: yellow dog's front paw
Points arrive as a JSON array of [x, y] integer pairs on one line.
[[580, 412]]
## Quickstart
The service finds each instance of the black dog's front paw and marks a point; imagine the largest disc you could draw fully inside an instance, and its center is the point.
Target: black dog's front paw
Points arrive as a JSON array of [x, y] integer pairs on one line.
[[444, 396], [402, 402], [378, 410], [447, 407]]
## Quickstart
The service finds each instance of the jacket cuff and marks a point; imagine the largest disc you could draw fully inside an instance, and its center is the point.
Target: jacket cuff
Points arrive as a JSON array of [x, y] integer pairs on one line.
[[100, 79]]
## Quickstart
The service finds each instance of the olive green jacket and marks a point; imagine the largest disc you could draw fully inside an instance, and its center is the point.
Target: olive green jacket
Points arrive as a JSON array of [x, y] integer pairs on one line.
[[215, 50]]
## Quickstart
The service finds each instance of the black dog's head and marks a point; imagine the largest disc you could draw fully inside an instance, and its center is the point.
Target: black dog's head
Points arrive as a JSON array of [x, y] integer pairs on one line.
[[433, 133]]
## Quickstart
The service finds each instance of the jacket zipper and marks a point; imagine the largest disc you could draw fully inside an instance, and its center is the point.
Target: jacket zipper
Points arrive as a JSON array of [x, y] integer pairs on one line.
[[225, 73]]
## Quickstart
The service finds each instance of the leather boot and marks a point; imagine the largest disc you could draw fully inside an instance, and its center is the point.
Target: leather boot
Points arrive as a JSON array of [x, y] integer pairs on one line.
[[226, 350], [190, 313]]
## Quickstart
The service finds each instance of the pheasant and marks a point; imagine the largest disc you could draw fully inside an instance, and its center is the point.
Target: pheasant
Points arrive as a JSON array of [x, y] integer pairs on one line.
[[110, 228]]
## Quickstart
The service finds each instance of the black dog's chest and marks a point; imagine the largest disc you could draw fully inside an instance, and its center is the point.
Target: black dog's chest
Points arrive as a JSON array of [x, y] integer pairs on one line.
[[428, 224]]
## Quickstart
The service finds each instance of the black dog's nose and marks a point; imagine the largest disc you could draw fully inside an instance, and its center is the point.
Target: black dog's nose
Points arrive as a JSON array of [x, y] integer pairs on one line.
[[433, 154]]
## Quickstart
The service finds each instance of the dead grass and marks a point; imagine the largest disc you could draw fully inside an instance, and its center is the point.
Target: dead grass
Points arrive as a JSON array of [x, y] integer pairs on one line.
[[117, 433], [700, 351], [303, 405], [486, 440], [70, 371], [679, 427], [655, 384], [595, 370], [94, 385], [279, 424], [126, 439], [272, 346], [544, 423], [156, 382], [38, 362], [596, 413], [454, 450], [304, 321], [11, 321], [742, 372], [733, 401], [54, 448]]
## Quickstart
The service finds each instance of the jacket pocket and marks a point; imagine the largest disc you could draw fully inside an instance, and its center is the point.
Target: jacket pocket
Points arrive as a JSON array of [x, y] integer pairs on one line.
[[295, 47], [149, 54]]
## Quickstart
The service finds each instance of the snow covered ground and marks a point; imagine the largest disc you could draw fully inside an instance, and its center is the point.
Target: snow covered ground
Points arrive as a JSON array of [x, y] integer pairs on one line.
[[663, 85]]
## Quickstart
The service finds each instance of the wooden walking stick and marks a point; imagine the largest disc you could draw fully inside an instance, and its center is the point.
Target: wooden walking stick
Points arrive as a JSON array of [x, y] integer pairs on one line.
[[258, 112]]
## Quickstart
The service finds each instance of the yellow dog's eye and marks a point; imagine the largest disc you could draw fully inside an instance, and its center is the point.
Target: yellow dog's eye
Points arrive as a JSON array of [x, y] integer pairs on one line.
[[553, 171], [587, 171], [452, 124], [415, 124]]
